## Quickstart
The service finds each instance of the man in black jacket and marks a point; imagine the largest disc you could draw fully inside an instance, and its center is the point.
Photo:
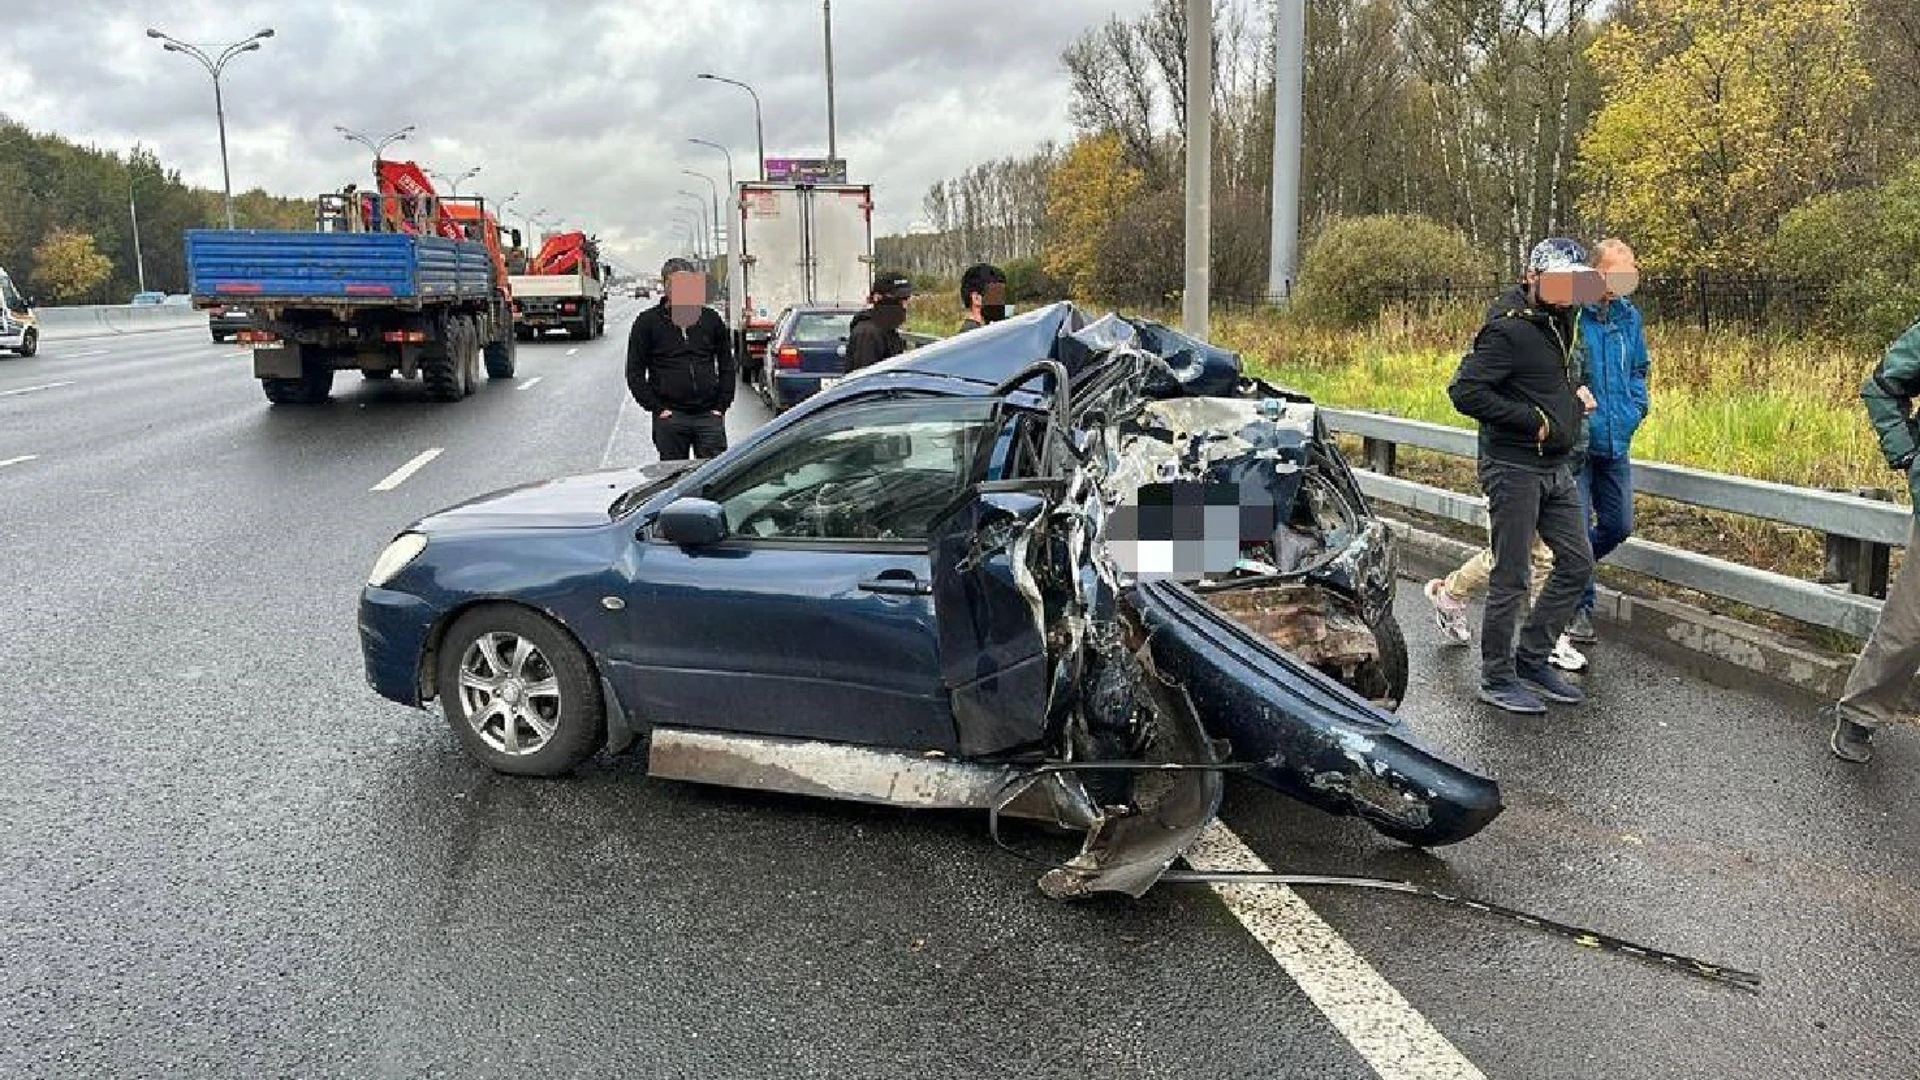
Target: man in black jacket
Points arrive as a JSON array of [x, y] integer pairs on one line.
[[874, 334], [1517, 382], [983, 293], [680, 367]]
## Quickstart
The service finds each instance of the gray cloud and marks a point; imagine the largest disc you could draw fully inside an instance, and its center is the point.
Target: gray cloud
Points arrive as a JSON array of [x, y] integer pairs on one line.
[[584, 108]]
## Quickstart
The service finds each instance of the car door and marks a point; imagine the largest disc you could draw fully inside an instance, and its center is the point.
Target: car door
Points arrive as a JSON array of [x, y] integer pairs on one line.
[[815, 616]]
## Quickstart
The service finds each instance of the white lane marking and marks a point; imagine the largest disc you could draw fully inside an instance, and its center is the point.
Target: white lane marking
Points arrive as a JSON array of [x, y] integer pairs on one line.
[[235, 355], [573, 350], [32, 389], [1396, 1040], [84, 355], [531, 383], [21, 460], [399, 475], [628, 407]]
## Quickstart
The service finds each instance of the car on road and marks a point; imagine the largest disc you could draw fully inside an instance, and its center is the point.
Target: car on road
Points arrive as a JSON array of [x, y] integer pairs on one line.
[[806, 353], [226, 320], [1062, 568], [19, 329], [147, 299]]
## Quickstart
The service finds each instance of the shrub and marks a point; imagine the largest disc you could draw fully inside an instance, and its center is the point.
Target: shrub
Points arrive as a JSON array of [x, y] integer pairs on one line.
[[1352, 264]]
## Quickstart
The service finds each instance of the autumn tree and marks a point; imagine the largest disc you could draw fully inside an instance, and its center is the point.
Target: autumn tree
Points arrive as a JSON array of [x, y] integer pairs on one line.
[[67, 267], [1719, 119], [1091, 188]]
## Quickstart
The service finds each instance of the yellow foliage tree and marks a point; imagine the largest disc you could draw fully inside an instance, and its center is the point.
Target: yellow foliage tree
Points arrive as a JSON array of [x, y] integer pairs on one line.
[[1085, 193], [1718, 118], [67, 266]]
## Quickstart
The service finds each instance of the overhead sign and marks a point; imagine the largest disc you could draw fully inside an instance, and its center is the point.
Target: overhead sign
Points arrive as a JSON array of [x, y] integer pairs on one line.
[[808, 170]]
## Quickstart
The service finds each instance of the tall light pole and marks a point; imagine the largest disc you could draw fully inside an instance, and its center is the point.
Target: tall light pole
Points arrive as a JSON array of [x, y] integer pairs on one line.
[[700, 205], [826, 16], [693, 225], [759, 132], [215, 65], [133, 211], [455, 182], [1289, 82], [375, 146], [716, 202], [729, 154], [1193, 304]]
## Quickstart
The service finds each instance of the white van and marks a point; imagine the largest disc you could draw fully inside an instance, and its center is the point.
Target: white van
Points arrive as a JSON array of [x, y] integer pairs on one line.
[[17, 330]]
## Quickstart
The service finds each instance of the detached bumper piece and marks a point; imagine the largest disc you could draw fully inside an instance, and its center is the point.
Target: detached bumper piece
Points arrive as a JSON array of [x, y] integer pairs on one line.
[[1312, 738]]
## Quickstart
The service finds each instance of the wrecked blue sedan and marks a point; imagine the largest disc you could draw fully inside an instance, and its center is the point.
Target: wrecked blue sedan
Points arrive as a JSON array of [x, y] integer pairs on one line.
[[1060, 568]]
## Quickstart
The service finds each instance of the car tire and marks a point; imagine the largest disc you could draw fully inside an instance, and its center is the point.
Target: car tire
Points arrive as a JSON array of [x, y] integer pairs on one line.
[[1387, 676], [502, 358], [531, 683], [29, 343]]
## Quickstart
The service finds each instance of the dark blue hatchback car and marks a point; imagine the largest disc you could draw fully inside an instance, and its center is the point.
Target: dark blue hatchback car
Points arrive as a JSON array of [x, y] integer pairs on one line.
[[912, 589], [807, 353]]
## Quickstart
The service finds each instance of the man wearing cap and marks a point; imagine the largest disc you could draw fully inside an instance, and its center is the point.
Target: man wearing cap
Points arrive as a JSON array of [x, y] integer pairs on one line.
[[874, 334], [983, 294], [680, 366], [1517, 383]]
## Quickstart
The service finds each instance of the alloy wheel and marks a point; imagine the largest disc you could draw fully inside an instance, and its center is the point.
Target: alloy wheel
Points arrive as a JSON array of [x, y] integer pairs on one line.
[[509, 693]]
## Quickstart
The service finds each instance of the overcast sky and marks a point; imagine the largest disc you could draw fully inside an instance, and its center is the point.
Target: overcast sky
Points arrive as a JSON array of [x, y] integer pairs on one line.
[[583, 107]]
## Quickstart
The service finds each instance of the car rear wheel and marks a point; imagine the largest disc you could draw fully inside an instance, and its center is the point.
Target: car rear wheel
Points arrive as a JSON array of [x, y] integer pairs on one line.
[[519, 692], [29, 343]]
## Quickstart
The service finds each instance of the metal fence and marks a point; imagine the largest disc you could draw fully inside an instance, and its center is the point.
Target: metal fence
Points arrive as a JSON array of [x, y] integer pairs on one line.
[[1706, 300], [1860, 532]]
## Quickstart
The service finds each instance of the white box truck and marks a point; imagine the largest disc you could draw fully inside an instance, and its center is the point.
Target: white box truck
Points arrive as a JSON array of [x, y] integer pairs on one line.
[[795, 243]]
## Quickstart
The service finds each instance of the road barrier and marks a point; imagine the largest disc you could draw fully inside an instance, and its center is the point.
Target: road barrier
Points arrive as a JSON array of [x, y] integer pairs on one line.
[[1860, 532], [109, 320]]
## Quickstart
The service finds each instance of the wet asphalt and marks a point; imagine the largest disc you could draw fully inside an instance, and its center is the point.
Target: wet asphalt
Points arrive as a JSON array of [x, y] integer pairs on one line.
[[225, 857]]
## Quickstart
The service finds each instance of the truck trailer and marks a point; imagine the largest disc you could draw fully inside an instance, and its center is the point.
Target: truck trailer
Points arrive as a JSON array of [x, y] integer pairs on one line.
[[795, 243]]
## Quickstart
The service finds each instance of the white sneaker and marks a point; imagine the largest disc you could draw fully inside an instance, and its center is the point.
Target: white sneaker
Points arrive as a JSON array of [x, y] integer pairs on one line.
[[1449, 615], [1566, 657]]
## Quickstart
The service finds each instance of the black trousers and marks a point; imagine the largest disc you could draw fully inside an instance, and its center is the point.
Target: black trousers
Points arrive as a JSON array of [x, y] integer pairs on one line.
[[684, 435], [1522, 501]]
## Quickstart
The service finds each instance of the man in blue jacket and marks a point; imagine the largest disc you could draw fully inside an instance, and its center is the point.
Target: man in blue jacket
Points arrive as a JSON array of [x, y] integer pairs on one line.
[[1616, 373]]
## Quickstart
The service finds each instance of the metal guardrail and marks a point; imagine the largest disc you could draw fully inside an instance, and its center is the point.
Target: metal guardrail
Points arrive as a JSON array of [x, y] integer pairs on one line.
[[1860, 532]]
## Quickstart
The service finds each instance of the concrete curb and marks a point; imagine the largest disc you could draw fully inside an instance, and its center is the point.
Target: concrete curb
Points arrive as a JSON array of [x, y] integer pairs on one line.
[[111, 320], [1722, 650]]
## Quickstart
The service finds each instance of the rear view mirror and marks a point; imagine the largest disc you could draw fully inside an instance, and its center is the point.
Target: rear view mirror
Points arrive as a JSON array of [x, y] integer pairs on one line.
[[692, 522]]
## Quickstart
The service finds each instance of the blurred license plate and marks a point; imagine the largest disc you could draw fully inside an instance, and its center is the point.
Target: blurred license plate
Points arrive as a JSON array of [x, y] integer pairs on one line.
[[828, 380]]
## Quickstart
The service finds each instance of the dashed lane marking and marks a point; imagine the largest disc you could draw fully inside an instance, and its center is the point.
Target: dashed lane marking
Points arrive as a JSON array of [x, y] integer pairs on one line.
[[21, 460], [573, 351], [399, 475], [1398, 1042], [34, 389], [531, 383]]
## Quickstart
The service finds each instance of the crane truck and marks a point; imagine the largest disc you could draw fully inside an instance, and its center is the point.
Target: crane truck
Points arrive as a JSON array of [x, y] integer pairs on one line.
[[396, 282], [564, 287]]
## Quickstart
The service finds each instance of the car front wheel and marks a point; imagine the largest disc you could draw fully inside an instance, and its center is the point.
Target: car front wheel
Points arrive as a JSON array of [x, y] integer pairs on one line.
[[519, 692]]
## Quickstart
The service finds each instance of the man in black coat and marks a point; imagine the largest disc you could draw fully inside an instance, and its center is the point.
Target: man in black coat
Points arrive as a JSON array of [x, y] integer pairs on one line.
[[1518, 383], [874, 334], [680, 367]]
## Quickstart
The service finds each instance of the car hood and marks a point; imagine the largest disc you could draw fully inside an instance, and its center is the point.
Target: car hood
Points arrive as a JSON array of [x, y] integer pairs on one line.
[[570, 502]]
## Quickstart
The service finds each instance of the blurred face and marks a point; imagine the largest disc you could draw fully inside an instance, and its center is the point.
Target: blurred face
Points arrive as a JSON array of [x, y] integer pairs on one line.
[[1567, 288], [1619, 270], [686, 295], [992, 304]]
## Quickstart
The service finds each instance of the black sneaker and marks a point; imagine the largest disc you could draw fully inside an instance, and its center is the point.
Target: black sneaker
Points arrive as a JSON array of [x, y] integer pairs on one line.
[[1512, 697], [1548, 683], [1580, 630], [1849, 741]]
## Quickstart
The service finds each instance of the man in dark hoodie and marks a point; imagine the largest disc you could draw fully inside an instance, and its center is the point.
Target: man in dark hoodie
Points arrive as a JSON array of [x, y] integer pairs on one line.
[[874, 334], [1517, 382], [680, 366]]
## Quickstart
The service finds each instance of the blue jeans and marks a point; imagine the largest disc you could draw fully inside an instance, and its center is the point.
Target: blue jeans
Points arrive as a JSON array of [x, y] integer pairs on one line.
[[1606, 494]]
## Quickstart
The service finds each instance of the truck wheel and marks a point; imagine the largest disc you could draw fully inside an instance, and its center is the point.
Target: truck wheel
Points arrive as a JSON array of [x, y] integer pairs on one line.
[[470, 354], [500, 358], [311, 388], [440, 367]]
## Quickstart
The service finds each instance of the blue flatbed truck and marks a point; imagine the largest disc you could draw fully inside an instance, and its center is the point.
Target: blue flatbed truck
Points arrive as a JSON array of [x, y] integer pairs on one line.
[[356, 296]]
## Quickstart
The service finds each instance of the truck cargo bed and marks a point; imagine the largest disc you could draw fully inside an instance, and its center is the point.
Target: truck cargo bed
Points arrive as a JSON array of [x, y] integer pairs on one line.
[[335, 268]]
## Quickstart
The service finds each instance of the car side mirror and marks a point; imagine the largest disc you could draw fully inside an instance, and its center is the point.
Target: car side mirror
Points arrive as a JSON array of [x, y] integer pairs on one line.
[[691, 522]]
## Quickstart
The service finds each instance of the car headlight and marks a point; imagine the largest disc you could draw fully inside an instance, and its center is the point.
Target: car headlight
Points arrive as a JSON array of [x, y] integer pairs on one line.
[[404, 549]]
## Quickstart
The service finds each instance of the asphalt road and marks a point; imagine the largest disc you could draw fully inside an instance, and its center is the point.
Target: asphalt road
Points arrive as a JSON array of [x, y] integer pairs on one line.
[[224, 857]]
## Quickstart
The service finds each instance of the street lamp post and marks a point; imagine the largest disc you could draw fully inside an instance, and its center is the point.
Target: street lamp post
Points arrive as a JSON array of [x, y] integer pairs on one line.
[[700, 204], [454, 182], [133, 211], [694, 222], [215, 65], [759, 132], [376, 146], [716, 202], [730, 188], [826, 17]]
